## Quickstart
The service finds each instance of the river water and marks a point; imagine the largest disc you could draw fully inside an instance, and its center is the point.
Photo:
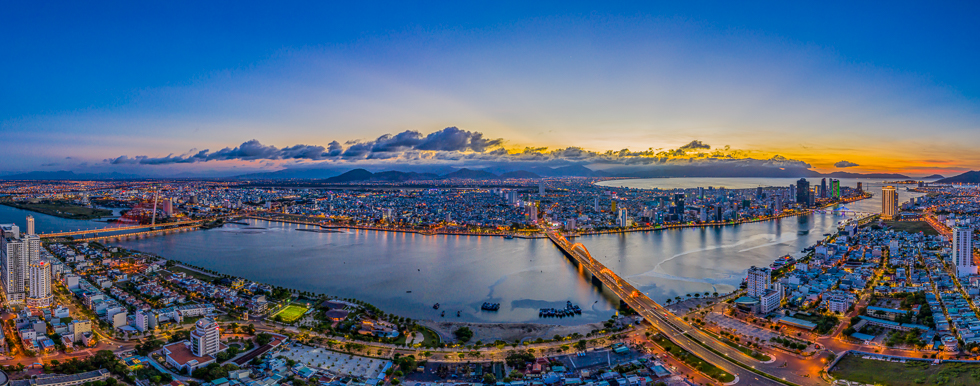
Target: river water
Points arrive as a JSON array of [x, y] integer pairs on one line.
[[407, 273]]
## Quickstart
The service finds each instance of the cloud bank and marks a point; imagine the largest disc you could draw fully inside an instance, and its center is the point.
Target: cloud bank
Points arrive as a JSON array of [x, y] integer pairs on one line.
[[454, 145], [845, 164]]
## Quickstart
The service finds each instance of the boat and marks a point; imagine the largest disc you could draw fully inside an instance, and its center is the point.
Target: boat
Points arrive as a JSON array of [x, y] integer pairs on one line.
[[408, 292], [801, 233], [457, 314], [487, 306], [435, 306], [443, 314], [509, 237]]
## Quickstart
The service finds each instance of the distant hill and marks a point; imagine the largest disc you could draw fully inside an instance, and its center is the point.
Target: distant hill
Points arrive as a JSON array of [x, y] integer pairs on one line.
[[965, 178], [932, 177], [467, 174], [351, 176], [519, 174]]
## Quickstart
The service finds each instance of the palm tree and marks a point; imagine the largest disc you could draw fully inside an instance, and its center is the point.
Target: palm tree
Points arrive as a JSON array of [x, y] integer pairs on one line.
[[668, 301]]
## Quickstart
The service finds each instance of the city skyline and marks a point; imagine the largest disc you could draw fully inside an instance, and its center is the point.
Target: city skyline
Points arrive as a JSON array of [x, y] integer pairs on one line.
[[830, 90]]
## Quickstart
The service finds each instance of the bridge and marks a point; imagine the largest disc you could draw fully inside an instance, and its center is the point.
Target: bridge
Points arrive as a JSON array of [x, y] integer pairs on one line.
[[115, 229], [680, 332], [125, 236]]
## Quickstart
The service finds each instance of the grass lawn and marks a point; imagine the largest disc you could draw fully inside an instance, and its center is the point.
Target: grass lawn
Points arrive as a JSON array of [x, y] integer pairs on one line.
[[912, 227], [857, 369], [291, 313], [692, 360], [63, 209], [431, 338]]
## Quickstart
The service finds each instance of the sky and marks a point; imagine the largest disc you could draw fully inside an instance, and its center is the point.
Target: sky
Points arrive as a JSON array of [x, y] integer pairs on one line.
[[229, 87]]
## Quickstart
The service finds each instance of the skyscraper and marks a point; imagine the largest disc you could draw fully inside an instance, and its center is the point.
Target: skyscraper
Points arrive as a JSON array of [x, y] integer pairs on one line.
[[679, 203], [889, 202], [622, 219], [803, 192], [963, 251], [30, 225], [860, 187], [758, 281], [13, 263], [40, 285], [823, 188], [835, 188]]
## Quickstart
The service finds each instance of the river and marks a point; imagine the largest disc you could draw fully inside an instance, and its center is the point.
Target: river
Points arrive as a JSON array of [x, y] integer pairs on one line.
[[462, 272]]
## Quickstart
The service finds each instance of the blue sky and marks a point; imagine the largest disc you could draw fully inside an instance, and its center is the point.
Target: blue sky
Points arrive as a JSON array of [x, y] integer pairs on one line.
[[886, 86]]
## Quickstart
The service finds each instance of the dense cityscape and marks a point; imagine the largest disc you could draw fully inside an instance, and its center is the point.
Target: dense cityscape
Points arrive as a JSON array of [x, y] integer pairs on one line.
[[897, 285], [489, 194]]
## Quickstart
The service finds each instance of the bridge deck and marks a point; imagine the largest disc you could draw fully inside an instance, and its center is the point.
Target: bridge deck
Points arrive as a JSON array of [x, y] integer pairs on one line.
[[675, 328]]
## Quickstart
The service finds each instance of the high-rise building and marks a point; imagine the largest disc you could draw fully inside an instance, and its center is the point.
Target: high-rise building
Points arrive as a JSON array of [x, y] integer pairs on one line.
[[777, 206], [823, 188], [40, 285], [679, 204], [168, 207], [622, 219], [889, 203], [30, 225], [14, 256], [835, 188], [205, 339], [803, 192], [963, 251], [541, 187], [758, 281], [758, 193], [860, 187]]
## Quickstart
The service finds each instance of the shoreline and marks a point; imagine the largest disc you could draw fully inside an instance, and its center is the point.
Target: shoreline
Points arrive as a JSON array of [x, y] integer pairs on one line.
[[538, 235]]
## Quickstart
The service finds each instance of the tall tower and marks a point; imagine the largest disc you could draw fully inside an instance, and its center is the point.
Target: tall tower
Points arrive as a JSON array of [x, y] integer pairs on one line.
[[963, 251], [30, 225], [13, 263], [823, 188], [40, 285], [803, 192], [889, 202]]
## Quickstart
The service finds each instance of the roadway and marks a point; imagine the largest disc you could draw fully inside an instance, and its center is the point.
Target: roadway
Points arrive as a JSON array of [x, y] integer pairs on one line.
[[801, 372]]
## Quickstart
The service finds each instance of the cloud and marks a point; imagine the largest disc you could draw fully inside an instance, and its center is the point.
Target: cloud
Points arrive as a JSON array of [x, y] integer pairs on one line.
[[695, 145], [454, 146], [845, 164]]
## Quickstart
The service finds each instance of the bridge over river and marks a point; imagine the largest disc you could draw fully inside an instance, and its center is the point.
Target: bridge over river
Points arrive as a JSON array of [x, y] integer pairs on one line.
[[707, 347]]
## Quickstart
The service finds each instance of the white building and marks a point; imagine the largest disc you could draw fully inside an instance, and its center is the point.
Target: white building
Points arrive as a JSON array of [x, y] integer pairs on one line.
[[771, 300], [758, 281], [142, 321], [13, 263], [40, 285], [838, 302], [623, 218], [963, 251], [206, 338]]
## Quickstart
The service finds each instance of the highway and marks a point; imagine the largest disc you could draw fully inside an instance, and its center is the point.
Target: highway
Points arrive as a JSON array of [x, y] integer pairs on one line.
[[801, 372]]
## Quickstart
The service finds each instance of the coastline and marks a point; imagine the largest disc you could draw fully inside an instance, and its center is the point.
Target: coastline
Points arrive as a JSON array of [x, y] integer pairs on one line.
[[538, 235]]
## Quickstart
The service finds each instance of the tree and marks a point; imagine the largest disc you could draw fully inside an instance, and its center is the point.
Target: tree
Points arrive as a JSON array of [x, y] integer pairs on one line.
[[463, 334], [263, 338], [580, 345], [489, 379]]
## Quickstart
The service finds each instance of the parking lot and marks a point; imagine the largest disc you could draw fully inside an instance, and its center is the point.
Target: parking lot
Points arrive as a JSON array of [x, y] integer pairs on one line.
[[335, 362], [740, 327]]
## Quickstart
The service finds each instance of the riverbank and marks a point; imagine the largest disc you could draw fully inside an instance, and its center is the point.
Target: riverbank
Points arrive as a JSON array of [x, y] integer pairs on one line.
[[508, 332], [539, 235], [61, 209]]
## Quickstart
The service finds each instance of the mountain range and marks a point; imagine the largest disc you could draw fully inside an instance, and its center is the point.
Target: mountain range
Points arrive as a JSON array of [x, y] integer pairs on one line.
[[972, 177], [337, 174]]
